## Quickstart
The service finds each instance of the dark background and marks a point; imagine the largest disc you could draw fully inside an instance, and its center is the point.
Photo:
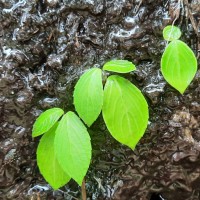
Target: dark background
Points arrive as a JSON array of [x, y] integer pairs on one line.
[[44, 48]]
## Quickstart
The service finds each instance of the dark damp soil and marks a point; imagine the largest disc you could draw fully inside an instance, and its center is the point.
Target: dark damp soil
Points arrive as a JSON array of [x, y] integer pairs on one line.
[[45, 45]]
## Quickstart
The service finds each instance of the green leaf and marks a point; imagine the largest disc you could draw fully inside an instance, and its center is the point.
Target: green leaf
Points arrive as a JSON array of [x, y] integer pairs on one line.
[[88, 95], [120, 66], [73, 147], [47, 161], [171, 33], [125, 111], [178, 65], [46, 120]]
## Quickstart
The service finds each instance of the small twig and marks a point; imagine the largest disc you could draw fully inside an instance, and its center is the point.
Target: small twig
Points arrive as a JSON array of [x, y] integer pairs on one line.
[[83, 190], [177, 14], [138, 6], [167, 42], [38, 196], [191, 17], [67, 194]]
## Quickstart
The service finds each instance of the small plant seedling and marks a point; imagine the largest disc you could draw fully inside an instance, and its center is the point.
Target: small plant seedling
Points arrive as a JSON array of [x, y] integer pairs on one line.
[[64, 151], [178, 62]]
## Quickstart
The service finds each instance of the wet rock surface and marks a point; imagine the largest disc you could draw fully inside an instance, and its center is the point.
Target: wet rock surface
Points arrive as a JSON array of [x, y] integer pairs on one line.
[[44, 48]]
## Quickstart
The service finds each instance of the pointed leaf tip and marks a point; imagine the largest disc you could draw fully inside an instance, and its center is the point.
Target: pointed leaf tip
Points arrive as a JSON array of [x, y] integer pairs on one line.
[[47, 161], [125, 111], [46, 121], [88, 95], [178, 65], [73, 147]]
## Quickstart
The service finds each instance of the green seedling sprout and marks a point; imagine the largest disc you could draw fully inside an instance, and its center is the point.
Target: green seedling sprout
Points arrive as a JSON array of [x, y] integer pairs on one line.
[[64, 151], [178, 62]]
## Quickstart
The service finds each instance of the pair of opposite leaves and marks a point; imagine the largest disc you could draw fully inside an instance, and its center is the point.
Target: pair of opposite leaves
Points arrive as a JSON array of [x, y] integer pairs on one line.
[[178, 62], [64, 150]]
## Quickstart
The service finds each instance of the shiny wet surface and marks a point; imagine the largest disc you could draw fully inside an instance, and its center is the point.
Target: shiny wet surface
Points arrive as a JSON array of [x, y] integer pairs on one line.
[[44, 48]]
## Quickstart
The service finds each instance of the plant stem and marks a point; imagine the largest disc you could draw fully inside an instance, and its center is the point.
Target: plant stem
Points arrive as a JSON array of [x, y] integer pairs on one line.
[[83, 190]]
